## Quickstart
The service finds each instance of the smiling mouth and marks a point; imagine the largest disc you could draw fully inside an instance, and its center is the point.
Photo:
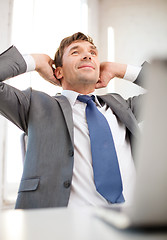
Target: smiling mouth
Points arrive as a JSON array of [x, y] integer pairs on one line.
[[86, 66]]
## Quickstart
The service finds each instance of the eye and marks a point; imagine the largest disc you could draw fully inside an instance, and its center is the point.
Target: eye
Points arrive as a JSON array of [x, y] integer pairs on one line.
[[93, 53], [74, 52]]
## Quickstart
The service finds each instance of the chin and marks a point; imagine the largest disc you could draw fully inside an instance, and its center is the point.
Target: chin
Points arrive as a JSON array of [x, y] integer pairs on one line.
[[88, 80]]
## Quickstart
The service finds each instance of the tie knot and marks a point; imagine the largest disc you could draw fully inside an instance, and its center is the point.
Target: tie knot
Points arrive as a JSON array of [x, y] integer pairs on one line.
[[85, 98]]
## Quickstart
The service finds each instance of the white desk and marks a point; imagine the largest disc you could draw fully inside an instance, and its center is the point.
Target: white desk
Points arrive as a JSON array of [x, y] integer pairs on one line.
[[63, 224]]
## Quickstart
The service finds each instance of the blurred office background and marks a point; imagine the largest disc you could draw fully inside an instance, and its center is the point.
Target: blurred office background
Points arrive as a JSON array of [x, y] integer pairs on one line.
[[126, 31]]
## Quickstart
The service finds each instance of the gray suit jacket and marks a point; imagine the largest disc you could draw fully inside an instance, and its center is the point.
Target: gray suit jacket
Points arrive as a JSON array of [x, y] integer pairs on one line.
[[47, 121]]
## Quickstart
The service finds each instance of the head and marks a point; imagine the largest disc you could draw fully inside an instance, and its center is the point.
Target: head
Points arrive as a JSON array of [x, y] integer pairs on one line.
[[77, 63]]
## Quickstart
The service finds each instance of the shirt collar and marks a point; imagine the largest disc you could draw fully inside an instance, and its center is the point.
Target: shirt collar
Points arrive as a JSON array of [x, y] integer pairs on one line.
[[72, 96]]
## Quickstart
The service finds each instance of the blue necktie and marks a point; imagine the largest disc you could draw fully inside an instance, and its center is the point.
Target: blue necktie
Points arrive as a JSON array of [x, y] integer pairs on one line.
[[107, 175]]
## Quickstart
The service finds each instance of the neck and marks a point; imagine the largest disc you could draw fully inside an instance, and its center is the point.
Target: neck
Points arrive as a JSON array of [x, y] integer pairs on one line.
[[81, 89]]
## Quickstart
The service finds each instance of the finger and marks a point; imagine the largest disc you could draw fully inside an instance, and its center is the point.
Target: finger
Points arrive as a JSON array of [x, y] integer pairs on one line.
[[56, 79], [55, 82], [98, 85], [51, 63]]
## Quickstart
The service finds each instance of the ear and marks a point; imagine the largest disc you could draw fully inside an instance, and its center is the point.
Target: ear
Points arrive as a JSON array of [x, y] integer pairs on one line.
[[58, 73]]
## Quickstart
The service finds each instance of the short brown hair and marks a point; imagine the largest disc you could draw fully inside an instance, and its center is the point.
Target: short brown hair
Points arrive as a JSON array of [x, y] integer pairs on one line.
[[66, 42]]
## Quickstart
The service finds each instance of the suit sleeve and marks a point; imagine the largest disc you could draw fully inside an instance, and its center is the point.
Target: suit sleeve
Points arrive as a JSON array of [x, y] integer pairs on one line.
[[11, 64], [14, 104], [137, 102], [141, 79]]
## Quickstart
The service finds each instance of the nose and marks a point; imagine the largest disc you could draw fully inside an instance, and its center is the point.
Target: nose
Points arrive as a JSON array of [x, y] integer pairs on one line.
[[87, 56]]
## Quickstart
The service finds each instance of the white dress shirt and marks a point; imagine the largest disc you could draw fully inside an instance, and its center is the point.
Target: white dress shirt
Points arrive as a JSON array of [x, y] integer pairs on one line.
[[83, 191]]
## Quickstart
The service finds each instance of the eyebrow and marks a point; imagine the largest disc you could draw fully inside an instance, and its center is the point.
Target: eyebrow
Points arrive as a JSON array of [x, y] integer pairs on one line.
[[77, 46]]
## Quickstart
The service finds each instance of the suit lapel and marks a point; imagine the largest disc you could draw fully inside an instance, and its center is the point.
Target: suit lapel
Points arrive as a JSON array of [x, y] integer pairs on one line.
[[67, 111], [120, 109], [123, 112]]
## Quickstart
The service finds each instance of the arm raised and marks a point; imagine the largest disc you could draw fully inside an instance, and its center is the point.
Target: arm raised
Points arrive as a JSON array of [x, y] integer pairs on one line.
[[44, 66], [109, 70]]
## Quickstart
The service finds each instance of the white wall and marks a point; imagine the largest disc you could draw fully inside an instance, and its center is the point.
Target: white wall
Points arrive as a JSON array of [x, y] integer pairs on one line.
[[93, 20], [140, 32], [5, 23], [5, 32]]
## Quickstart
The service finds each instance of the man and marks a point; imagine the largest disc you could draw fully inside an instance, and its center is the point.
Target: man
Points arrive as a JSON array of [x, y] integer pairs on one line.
[[58, 164]]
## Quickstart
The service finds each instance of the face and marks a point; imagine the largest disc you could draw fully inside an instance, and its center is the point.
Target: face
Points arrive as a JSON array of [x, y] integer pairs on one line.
[[80, 68]]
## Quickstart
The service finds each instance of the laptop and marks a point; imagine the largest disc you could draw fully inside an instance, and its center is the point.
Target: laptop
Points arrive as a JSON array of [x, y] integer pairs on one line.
[[149, 203]]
